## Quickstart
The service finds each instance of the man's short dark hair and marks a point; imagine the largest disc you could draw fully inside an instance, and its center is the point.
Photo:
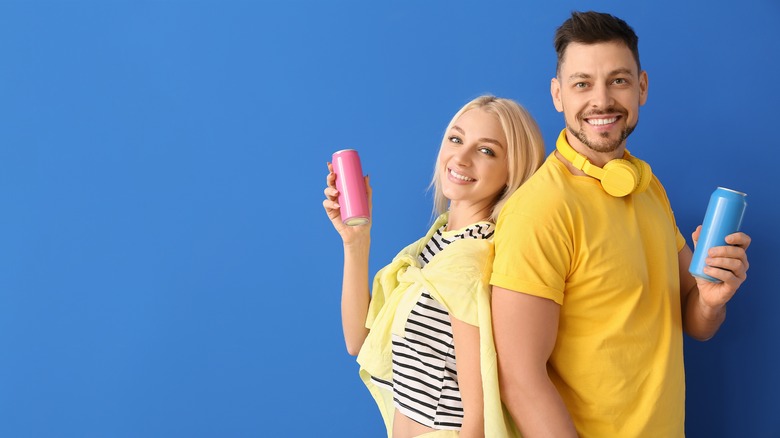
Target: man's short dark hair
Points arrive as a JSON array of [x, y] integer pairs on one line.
[[594, 27]]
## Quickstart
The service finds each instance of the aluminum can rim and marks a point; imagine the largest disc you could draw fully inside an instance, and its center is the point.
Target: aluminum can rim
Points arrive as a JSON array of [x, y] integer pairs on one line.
[[732, 191]]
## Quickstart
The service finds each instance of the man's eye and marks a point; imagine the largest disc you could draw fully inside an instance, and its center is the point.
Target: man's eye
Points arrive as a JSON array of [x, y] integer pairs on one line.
[[580, 85], [620, 81], [456, 139]]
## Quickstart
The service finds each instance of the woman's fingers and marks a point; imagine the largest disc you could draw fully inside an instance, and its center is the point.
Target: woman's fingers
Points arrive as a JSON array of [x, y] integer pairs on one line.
[[370, 193], [331, 193]]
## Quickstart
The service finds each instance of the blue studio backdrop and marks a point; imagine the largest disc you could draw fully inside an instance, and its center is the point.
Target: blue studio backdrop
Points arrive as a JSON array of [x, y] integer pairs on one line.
[[166, 267]]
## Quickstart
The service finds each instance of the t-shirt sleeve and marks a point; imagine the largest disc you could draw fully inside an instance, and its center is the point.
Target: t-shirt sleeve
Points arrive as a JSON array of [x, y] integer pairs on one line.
[[679, 238], [532, 256]]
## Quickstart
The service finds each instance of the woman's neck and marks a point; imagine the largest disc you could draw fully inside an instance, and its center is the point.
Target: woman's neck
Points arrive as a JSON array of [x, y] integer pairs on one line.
[[464, 215]]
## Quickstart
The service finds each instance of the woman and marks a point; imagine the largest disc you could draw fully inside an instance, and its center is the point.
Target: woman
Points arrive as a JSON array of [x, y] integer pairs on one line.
[[423, 336]]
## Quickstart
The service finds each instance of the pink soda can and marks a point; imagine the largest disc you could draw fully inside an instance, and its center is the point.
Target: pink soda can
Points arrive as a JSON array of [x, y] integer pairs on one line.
[[353, 196], [723, 217]]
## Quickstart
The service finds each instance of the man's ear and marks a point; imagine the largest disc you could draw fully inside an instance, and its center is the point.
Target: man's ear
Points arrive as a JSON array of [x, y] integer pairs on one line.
[[642, 87], [555, 92]]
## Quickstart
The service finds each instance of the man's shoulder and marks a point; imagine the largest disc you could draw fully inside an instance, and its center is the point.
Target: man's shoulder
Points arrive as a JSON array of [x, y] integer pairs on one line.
[[541, 190]]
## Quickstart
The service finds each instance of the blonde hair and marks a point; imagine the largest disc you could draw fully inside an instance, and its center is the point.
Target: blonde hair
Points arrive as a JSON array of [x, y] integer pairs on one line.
[[525, 148]]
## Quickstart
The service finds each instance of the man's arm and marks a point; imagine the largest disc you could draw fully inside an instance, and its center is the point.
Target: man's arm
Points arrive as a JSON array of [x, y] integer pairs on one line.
[[704, 302], [525, 328]]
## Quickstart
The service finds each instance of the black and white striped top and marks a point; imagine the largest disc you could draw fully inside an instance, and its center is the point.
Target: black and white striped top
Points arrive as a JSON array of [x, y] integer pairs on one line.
[[425, 377]]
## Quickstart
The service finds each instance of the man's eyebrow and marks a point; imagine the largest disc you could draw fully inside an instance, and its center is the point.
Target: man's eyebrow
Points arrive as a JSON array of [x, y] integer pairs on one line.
[[579, 75], [621, 71], [617, 71]]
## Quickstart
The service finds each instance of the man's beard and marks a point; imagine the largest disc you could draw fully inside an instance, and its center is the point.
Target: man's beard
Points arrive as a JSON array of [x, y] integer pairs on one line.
[[606, 145]]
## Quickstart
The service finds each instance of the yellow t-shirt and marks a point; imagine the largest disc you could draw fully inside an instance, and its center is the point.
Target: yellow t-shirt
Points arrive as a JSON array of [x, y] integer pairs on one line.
[[611, 263]]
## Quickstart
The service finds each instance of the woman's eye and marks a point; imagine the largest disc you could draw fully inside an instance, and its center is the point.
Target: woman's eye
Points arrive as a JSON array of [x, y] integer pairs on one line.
[[455, 139], [487, 151]]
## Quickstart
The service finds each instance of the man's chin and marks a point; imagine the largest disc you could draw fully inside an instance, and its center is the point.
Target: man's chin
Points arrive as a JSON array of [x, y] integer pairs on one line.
[[599, 142], [602, 142], [605, 144]]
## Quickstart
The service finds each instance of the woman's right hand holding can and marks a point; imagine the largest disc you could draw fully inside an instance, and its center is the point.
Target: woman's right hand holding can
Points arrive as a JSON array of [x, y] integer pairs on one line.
[[350, 235]]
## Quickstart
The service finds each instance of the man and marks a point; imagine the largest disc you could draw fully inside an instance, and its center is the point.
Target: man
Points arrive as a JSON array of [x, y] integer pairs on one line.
[[591, 290]]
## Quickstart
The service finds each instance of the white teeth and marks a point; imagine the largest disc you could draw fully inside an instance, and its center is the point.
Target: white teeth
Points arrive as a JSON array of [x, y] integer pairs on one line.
[[460, 177], [602, 121]]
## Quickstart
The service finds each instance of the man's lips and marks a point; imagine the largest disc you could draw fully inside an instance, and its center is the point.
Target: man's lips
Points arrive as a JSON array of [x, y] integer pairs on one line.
[[601, 121]]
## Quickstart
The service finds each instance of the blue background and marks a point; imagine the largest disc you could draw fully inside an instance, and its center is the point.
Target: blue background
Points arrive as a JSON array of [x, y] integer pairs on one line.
[[166, 268]]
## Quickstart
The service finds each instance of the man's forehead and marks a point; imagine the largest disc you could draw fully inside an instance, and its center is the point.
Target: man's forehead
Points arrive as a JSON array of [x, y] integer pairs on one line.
[[612, 56]]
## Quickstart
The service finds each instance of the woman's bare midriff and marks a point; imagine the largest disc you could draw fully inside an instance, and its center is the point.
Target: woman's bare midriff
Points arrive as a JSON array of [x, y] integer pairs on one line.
[[405, 427]]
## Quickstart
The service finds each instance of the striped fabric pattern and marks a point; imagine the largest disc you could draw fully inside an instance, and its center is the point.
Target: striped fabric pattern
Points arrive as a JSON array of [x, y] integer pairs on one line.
[[425, 377]]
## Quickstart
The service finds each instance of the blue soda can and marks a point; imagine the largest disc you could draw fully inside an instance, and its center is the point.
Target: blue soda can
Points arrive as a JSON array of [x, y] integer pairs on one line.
[[724, 216]]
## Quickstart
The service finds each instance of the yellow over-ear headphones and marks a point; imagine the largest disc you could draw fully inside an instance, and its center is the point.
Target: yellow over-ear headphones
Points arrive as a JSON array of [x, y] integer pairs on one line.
[[619, 177]]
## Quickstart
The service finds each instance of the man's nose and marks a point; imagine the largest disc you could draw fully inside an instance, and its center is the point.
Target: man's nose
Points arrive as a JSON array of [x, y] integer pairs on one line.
[[601, 97]]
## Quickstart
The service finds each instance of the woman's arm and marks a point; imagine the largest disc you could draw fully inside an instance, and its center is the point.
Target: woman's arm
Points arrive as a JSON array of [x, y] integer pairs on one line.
[[355, 295], [467, 357]]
